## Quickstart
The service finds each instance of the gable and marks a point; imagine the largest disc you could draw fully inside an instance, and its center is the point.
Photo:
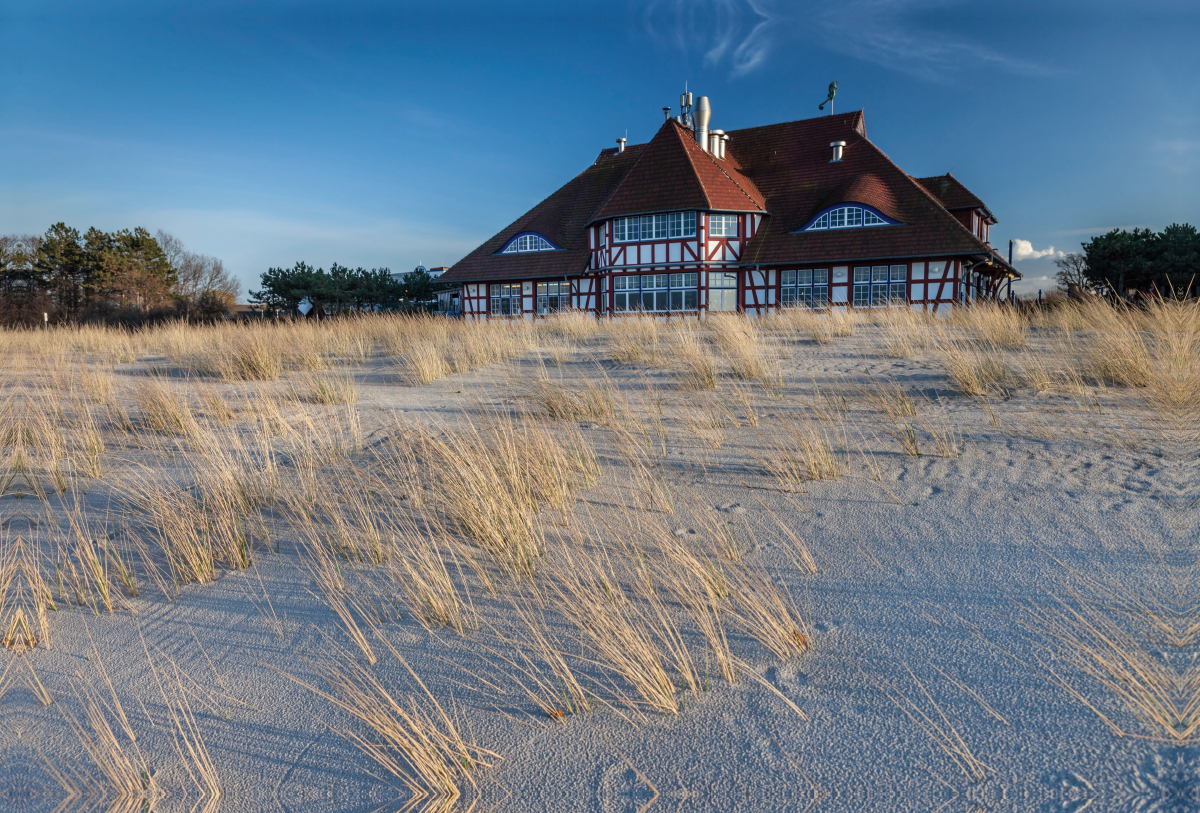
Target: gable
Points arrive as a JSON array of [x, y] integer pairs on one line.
[[673, 173]]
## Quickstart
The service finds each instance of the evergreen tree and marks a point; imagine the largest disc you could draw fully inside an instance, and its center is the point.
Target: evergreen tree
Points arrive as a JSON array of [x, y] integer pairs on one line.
[[1178, 256], [62, 261], [418, 286]]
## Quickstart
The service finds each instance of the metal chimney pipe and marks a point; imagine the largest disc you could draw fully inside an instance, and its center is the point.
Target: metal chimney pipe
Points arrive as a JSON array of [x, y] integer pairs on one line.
[[620, 145], [837, 150], [703, 117], [666, 114], [724, 141], [714, 143]]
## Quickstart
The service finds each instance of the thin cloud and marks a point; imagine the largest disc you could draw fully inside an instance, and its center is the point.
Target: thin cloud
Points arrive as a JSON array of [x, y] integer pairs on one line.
[[1024, 250], [745, 33], [883, 32]]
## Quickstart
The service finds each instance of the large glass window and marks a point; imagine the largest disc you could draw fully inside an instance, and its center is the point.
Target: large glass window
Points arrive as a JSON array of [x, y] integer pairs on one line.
[[528, 242], [655, 292], [682, 224], [805, 289], [553, 297], [654, 227], [847, 217], [722, 225], [878, 286], [506, 299], [722, 291]]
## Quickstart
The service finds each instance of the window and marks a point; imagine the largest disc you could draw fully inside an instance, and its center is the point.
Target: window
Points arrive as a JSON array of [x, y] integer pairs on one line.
[[722, 291], [722, 225], [528, 242], [553, 297], [682, 224], [506, 299], [654, 227], [847, 217], [655, 292], [877, 286], [805, 289]]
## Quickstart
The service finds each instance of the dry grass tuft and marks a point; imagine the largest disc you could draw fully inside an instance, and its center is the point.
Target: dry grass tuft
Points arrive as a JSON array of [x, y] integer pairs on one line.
[[335, 388], [416, 741]]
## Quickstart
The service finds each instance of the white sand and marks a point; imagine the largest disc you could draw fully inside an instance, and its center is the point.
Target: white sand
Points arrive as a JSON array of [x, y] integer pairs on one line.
[[933, 585]]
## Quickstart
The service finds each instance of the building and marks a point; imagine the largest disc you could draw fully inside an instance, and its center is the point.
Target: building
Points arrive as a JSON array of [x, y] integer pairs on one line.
[[434, 272], [802, 214]]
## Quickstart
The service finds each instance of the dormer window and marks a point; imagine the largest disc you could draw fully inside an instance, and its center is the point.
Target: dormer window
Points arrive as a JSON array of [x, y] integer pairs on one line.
[[527, 242], [848, 217]]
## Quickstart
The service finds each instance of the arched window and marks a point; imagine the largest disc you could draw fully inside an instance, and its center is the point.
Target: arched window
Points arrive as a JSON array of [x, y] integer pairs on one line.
[[527, 242], [848, 216]]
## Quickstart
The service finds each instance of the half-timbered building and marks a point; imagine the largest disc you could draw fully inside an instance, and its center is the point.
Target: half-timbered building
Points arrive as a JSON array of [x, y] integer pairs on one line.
[[804, 214]]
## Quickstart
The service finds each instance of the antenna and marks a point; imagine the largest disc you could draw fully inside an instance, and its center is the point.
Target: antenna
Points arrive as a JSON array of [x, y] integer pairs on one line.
[[685, 107]]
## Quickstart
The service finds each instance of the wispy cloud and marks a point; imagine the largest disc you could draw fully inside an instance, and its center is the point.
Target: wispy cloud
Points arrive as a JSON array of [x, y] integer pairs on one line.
[[1024, 250], [745, 33]]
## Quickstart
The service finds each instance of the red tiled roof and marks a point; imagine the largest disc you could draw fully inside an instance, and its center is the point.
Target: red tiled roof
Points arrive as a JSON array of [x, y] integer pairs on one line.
[[791, 164], [673, 173], [783, 171], [561, 218], [951, 193]]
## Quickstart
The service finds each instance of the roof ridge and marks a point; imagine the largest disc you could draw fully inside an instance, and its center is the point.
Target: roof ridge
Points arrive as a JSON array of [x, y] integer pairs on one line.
[[856, 113]]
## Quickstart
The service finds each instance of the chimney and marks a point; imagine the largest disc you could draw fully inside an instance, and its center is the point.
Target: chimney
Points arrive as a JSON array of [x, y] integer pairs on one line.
[[837, 150], [666, 114], [724, 141], [703, 116], [620, 145], [716, 143]]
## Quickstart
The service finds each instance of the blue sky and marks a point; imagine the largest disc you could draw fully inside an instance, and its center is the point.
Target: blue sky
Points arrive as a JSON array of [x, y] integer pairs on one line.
[[387, 134]]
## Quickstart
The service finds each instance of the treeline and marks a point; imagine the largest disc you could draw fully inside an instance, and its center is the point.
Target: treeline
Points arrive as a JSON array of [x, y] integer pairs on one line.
[[341, 289], [128, 277], [1138, 260]]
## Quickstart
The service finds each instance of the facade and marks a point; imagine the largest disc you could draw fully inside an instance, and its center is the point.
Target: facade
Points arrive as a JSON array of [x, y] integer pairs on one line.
[[805, 214]]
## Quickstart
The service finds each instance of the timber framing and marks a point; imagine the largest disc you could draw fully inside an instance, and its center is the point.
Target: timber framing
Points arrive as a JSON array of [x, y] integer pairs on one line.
[[671, 229]]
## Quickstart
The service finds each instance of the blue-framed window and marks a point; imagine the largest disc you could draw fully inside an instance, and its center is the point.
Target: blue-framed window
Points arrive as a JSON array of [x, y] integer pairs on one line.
[[848, 216], [808, 288], [723, 225], [654, 227], [655, 292], [878, 286], [553, 297], [506, 299], [527, 242]]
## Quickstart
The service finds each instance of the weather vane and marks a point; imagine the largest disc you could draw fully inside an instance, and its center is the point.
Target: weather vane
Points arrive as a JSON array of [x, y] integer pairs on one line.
[[829, 101]]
